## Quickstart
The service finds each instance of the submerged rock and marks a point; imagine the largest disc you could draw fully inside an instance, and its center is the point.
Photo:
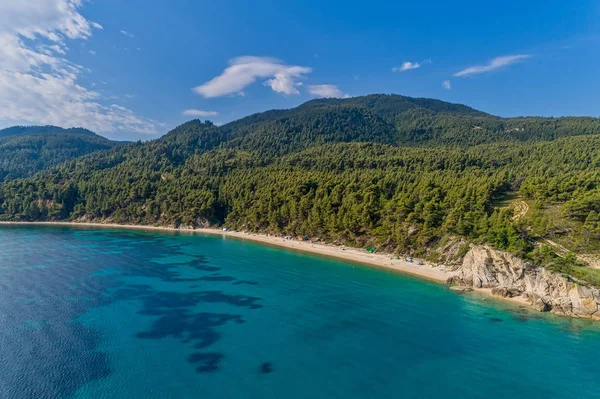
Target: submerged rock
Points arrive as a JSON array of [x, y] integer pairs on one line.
[[504, 292], [266, 368], [461, 288]]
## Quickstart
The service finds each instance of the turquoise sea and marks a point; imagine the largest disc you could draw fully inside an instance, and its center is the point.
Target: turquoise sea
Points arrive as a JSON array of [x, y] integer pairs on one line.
[[94, 313]]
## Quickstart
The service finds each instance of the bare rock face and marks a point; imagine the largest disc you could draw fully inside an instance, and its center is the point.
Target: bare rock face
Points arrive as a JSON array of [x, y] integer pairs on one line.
[[451, 253], [484, 267], [509, 276]]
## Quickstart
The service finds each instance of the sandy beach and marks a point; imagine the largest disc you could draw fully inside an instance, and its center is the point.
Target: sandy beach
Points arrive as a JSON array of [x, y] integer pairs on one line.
[[342, 252], [418, 268]]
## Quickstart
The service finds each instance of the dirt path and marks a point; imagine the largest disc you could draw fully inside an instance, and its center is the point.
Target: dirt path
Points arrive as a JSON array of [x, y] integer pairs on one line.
[[593, 260], [521, 208], [562, 251]]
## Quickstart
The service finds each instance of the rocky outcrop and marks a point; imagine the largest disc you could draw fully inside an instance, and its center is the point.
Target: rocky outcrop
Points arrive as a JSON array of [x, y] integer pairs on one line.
[[461, 288], [509, 276]]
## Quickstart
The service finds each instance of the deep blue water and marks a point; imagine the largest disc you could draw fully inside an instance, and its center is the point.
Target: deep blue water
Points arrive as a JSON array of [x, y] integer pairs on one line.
[[97, 314]]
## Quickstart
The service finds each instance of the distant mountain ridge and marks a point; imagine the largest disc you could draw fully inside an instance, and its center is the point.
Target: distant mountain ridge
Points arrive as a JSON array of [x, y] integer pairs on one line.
[[46, 129], [25, 150], [392, 119], [390, 105], [379, 118]]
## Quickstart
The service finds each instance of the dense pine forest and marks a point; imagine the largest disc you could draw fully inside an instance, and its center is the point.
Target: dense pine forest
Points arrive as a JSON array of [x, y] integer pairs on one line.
[[401, 174], [25, 150]]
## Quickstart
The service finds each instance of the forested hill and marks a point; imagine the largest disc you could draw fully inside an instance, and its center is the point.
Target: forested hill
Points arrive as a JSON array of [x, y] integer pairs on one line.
[[47, 129], [25, 150], [414, 121], [397, 173], [399, 120]]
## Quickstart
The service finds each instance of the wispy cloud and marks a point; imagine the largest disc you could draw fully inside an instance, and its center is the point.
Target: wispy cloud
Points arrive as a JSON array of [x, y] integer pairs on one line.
[[446, 84], [406, 66], [38, 84], [329, 91], [128, 34], [496, 63], [199, 112], [243, 71]]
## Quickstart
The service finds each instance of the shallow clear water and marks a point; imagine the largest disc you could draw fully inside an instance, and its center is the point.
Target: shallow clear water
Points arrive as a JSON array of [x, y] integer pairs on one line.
[[90, 313]]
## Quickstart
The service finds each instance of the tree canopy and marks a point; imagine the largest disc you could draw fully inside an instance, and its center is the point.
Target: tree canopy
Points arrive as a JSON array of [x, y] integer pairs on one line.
[[399, 173], [25, 150]]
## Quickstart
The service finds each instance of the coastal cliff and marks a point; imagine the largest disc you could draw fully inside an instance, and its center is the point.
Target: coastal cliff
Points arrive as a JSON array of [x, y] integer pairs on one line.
[[509, 276]]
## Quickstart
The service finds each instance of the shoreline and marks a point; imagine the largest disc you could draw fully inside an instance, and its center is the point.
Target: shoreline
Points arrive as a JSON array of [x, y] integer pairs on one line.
[[383, 260]]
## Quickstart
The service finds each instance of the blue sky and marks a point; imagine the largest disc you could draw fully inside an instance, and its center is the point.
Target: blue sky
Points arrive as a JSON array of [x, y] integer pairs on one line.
[[131, 69]]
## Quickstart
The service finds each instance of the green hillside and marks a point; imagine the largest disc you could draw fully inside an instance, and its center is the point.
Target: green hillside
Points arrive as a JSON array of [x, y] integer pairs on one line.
[[393, 172], [47, 129], [27, 150]]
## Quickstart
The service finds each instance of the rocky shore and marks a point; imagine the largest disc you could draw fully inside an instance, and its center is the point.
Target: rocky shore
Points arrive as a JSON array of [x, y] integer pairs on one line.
[[510, 277], [482, 268]]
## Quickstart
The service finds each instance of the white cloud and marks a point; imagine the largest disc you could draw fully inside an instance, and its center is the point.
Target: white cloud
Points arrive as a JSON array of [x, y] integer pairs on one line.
[[283, 83], [446, 84], [243, 71], [329, 91], [199, 112], [54, 20], [496, 63], [38, 84], [128, 34], [406, 66], [92, 52]]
